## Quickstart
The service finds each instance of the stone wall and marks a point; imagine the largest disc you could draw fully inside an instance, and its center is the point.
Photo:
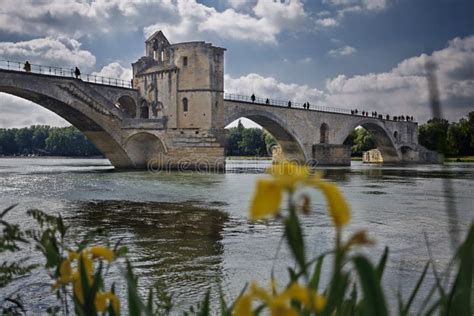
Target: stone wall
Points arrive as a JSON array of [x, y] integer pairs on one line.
[[372, 156]]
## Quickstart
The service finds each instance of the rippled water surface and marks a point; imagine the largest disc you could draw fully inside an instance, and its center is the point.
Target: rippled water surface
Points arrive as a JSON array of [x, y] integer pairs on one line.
[[189, 231]]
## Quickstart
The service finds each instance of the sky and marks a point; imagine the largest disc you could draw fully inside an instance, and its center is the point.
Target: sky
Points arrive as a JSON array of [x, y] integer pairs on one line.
[[364, 54]]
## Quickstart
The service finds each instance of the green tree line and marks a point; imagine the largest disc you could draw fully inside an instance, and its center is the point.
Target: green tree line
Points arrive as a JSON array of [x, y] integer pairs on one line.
[[45, 140], [451, 139]]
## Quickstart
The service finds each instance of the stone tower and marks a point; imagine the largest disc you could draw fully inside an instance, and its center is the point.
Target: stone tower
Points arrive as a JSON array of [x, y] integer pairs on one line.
[[181, 92], [182, 84]]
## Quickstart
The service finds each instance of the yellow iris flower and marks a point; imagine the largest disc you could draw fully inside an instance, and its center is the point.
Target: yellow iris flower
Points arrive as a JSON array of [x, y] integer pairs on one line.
[[280, 304], [286, 177], [68, 275]]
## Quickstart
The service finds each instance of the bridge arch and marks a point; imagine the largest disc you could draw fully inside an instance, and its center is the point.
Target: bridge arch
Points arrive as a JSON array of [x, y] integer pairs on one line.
[[384, 139], [283, 134], [143, 147], [75, 102]]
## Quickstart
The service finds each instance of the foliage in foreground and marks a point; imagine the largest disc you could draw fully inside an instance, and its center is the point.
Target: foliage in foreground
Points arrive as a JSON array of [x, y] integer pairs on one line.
[[79, 272]]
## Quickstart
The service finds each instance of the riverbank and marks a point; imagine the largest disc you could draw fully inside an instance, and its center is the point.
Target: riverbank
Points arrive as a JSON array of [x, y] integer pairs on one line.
[[460, 159]]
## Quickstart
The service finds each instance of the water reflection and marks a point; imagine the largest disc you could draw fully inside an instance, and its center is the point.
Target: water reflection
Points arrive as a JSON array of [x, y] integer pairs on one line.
[[176, 244]]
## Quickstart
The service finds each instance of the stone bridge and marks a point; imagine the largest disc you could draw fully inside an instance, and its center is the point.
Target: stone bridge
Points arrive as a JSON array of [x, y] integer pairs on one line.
[[175, 114]]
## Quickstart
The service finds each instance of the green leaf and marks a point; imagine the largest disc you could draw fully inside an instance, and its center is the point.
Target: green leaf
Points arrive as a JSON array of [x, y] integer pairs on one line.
[[382, 263], [374, 300], [461, 293], [406, 309], [205, 308], [314, 282], [134, 302], [295, 240]]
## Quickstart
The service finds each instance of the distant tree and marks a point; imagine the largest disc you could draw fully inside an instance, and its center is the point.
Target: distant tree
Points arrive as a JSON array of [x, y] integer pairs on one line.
[[362, 140], [270, 141], [433, 135], [69, 141], [243, 141], [23, 139], [8, 144]]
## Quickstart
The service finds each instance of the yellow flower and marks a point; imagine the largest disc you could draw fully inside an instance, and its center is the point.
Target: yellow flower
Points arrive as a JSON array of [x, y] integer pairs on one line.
[[280, 307], [101, 299], [267, 199], [243, 306], [102, 252], [307, 296], [289, 174], [338, 207]]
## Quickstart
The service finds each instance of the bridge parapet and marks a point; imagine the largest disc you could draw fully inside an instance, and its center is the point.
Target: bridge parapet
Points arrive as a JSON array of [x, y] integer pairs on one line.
[[63, 72]]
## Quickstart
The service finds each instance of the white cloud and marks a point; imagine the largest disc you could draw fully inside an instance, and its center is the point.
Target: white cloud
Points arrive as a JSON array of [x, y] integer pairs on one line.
[[196, 20], [237, 3], [115, 70], [356, 5], [180, 19], [18, 112], [327, 22], [269, 87], [342, 51], [403, 90], [85, 18], [60, 52]]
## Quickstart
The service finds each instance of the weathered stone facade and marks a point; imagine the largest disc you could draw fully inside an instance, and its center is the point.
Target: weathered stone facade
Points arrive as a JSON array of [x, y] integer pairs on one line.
[[175, 114]]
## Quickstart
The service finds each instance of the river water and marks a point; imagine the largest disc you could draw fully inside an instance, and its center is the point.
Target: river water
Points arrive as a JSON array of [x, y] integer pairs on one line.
[[189, 231]]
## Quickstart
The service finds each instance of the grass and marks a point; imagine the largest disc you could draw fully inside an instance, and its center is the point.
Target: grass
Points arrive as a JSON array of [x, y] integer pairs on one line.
[[460, 159]]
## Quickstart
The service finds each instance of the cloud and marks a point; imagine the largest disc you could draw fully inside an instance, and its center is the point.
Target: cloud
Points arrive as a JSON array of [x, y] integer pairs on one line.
[[342, 51], [59, 52], [270, 87], [86, 18], [269, 19], [18, 112], [403, 90], [327, 22], [358, 5], [115, 70], [180, 19]]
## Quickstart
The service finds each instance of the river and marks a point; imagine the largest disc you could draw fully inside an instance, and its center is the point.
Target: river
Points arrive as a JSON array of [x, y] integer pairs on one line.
[[189, 231]]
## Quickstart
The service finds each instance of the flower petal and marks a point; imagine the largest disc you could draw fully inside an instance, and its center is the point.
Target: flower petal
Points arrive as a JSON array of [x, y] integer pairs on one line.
[[267, 199], [102, 252], [338, 207]]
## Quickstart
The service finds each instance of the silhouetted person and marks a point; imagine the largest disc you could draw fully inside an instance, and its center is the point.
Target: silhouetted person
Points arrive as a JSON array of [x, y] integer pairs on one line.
[[252, 97], [289, 104], [304, 105], [307, 105], [366, 114], [411, 118], [356, 111], [77, 73], [363, 113], [387, 117], [267, 101], [352, 112], [27, 66]]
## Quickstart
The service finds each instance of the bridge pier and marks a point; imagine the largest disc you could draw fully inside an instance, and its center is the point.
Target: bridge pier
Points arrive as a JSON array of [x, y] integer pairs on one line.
[[332, 155]]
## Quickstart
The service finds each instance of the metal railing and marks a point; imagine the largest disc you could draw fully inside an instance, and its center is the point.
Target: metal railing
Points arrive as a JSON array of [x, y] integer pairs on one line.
[[63, 72], [297, 105], [309, 106]]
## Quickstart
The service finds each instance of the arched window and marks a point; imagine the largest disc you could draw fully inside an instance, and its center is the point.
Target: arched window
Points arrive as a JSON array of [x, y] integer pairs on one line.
[[127, 105], [395, 135], [144, 113], [324, 133], [185, 104]]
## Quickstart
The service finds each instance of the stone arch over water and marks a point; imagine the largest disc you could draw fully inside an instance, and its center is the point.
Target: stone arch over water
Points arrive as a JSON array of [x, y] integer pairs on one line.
[[289, 143]]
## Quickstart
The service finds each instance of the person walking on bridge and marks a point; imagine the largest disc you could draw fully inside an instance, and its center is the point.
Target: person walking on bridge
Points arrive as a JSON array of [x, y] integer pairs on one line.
[[252, 97], [27, 66], [77, 73], [289, 104]]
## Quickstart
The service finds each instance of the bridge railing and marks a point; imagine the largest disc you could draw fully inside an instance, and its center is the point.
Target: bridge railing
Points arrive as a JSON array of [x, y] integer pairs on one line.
[[281, 103], [63, 72]]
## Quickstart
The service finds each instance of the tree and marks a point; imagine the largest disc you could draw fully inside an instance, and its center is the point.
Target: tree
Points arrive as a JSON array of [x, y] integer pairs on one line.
[[362, 141], [433, 135]]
